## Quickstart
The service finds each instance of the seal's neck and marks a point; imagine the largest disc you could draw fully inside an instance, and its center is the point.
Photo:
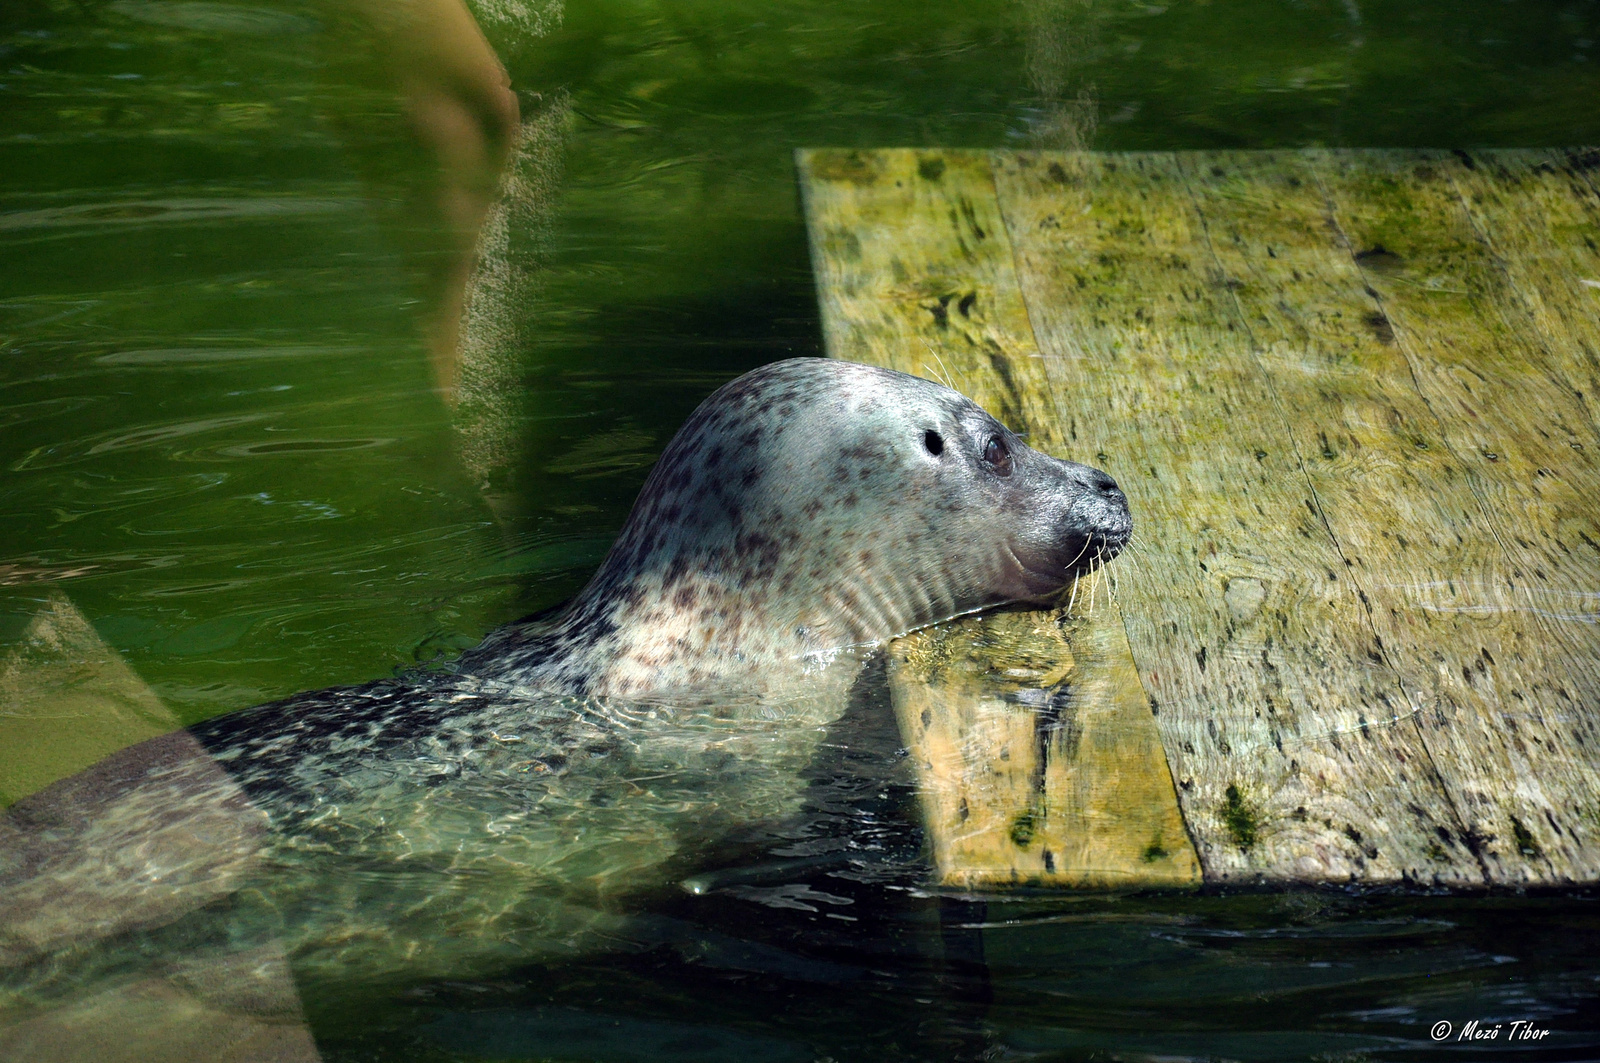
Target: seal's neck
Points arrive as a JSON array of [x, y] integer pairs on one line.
[[641, 629]]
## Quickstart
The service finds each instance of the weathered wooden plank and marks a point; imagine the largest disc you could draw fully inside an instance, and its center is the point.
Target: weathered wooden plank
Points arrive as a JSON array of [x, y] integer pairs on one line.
[[1399, 502], [915, 273], [1037, 755], [1539, 213], [1276, 702], [1523, 763]]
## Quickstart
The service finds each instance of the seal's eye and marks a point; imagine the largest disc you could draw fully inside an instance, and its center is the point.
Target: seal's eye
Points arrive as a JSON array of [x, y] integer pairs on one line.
[[934, 442], [998, 455]]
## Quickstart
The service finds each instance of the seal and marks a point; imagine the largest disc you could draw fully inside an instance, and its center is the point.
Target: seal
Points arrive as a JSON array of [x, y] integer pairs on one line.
[[806, 512], [808, 506]]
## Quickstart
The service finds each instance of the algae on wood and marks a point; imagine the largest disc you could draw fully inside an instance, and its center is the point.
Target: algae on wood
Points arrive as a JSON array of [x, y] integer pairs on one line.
[[1277, 707], [1354, 399], [1522, 761], [1051, 774]]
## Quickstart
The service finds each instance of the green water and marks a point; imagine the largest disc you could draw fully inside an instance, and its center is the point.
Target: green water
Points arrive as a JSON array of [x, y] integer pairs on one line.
[[289, 298], [220, 256]]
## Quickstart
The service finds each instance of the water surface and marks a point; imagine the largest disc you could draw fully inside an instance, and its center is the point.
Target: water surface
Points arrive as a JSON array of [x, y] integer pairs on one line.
[[221, 261]]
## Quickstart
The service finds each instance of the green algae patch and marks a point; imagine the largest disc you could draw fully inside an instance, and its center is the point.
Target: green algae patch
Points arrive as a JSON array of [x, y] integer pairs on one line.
[[1241, 819]]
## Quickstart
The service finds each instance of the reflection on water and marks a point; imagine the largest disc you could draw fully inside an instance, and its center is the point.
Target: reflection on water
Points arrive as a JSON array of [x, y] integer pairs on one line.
[[158, 211], [438, 867], [419, 829], [233, 247], [212, 18], [513, 887]]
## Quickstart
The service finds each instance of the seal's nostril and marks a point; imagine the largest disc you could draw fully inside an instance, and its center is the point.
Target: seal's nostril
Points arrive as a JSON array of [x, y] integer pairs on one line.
[[1103, 483]]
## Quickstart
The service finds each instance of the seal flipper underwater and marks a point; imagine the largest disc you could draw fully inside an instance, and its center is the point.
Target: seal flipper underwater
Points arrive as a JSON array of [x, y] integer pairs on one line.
[[807, 511]]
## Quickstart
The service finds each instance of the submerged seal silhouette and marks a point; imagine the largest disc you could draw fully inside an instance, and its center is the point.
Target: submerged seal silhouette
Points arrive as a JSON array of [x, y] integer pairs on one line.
[[806, 509], [808, 506]]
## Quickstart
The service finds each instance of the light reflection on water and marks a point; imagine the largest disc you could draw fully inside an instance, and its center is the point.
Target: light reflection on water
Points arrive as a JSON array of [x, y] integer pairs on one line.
[[220, 260], [479, 919]]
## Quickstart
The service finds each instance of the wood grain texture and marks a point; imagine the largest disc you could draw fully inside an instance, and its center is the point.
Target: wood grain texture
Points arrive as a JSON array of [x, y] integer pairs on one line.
[[1277, 705], [1352, 397], [1060, 756], [1509, 400]]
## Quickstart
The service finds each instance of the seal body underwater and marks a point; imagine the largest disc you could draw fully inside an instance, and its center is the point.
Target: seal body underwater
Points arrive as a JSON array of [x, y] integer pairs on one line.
[[807, 511]]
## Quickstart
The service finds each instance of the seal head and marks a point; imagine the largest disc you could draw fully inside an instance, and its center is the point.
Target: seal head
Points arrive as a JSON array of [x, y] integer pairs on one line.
[[809, 506]]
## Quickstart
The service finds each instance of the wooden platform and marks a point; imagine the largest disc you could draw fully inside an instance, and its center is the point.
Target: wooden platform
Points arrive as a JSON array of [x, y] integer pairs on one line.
[[1353, 398]]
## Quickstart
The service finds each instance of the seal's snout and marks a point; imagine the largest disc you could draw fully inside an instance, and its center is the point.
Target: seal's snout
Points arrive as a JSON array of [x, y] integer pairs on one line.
[[1097, 523], [1103, 483], [1118, 522], [1076, 519]]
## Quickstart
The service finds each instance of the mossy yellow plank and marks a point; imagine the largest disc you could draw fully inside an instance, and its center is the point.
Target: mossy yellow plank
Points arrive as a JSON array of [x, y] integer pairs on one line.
[[1032, 770], [66, 701], [1284, 723], [1353, 399], [1402, 506], [1539, 212], [1513, 416], [915, 273]]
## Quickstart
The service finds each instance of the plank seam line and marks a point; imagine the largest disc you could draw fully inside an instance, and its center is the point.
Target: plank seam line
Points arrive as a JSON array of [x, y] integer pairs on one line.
[[1402, 341], [1411, 718], [990, 159]]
